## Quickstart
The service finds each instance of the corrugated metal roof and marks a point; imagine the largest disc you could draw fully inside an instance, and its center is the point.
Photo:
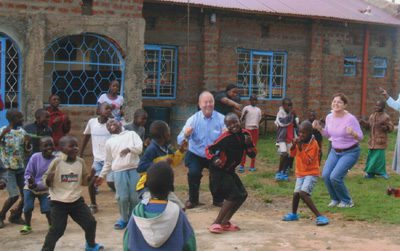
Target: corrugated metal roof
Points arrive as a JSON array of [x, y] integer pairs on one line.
[[348, 10]]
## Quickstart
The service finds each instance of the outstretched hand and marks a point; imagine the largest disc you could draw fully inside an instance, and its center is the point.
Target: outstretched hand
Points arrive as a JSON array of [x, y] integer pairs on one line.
[[384, 93]]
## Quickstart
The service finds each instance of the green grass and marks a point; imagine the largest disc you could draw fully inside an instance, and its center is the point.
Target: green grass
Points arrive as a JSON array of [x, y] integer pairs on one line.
[[369, 195]]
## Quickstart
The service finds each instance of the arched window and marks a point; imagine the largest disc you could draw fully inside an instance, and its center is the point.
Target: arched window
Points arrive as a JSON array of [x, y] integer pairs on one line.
[[78, 68], [10, 75]]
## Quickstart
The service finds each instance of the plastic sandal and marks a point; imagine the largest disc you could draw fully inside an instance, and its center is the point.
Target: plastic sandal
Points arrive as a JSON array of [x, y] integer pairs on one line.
[[25, 230], [230, 227], [120, 225], [241, 169], [93, 208], [252, 169], [322, 221], [216, 229], [290, 217], [97, 247]]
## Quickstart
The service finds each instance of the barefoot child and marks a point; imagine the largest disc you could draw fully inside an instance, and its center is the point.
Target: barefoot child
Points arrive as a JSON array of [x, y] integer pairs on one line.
[[380, 125], [13, 149], [305, 150], [64, 178], [34, 188], [115, 100], [159, 150], [225, 155], [97, 130], [286, 121], [122, 157], [158, 223], [59, 123], [251, 115]]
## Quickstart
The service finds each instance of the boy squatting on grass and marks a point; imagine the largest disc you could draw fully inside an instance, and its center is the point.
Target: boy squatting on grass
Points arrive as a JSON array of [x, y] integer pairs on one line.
[[64, 177], [34, 188], [226, 154], [158, 223], [306, 152]]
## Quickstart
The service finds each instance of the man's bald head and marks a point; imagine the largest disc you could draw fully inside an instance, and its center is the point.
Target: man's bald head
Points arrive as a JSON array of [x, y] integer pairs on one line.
[[206, 103]]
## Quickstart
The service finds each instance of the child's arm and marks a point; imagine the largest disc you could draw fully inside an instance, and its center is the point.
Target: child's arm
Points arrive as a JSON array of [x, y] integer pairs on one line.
[[187, 131], [251, 150], [84, 143], [48, 176], [6, 130], [86, 176], [388, 124], [137, 146], [146, 160], [212, 151], [106, 167], [312, 153]]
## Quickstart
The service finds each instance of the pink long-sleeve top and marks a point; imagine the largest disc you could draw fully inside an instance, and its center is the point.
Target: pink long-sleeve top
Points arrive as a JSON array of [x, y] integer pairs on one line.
[[335, 130]]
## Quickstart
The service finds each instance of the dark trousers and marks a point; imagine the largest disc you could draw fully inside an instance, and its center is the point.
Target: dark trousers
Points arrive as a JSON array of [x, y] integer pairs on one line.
[[196, 164], [79, 212]]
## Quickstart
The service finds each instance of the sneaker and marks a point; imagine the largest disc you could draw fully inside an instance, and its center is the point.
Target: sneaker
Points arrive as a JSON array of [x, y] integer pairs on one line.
[[97, 247], [369, 176], [241, 169], [345, 205], [25, 230], [278, 176], [322, 221], [252, 169], [93, 208], [333, 203], [290, 217]]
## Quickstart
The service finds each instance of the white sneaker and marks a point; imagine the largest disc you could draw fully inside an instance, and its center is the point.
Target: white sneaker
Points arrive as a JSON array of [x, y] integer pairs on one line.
[[345, 205], [333, 203]]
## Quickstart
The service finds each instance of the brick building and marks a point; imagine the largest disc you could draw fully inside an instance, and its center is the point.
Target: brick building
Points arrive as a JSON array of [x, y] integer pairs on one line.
[[164, 52]]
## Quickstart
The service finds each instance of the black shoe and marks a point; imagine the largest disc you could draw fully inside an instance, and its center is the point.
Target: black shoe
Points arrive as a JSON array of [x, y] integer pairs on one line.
[[190, 205], [16, 220]]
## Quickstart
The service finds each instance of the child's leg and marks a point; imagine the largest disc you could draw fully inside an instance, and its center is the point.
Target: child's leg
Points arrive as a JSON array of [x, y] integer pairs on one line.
[[81, 214], [29, 200], [97, 166], [13, 193], [121, 180], [305, 192], [45, 206], [310, 204], [16, 213], [225, 209], [282, 162], [289, 163], [59, 216], [295, 202], [7, 205], [133, 195], [237, 195], [254, 136]]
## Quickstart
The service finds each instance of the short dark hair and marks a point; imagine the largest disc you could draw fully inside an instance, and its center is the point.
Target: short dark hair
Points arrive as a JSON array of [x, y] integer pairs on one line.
[[230, 116], [230, 87], [158, 129], [52, 95], [286, 100], [11, 113], [139, 112], [306, 125], [39, 112], [160, 180], [342, 97], [66, 140], [253, 97]]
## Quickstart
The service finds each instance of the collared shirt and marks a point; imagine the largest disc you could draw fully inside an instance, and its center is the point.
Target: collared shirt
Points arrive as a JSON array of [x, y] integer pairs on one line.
[[205, 131]]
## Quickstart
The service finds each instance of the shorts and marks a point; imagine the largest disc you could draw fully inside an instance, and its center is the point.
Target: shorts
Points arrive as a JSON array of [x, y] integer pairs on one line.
[[228, 185], [305, 184], [283, 147], [15, 182], [98, 166], [29, 201]]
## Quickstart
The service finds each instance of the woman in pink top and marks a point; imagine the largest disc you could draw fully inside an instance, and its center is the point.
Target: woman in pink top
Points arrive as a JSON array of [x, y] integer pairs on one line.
[[344, 131]]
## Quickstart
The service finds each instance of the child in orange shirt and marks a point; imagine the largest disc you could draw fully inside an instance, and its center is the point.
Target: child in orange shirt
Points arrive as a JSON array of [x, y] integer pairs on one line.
[[305, 150]]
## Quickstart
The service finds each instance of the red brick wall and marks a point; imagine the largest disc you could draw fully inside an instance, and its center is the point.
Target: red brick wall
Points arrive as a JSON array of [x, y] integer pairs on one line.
[[121, 8], [315, 64]]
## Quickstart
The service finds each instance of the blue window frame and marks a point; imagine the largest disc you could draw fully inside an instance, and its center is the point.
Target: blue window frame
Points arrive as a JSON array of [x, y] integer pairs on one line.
[[10, 76], [350, 66], [160, 66], [380, 66], [262, 73], [79, 68]]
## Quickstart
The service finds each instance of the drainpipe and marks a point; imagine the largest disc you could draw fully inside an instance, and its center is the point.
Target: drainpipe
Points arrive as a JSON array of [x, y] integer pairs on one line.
[[364, 73]]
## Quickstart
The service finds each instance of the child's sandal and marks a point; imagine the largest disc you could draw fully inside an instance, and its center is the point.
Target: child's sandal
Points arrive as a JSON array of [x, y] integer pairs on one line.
[[216, 229], [230, 227], [97, 247], [25, 230], [120, 225]]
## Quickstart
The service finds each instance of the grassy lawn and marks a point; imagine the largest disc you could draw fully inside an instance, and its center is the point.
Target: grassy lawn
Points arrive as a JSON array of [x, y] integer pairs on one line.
[[369, 195]]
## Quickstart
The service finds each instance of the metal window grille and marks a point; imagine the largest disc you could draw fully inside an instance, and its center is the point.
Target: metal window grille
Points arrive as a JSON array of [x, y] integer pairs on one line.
[[380, 66], [160, 68], [262, 73], [350, 66], [79, 68], [10, 72]]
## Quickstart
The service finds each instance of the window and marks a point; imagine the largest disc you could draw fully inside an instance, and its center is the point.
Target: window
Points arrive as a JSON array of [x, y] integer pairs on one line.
[[79, 68], [160, 66], [380, 66], [350, 66], [262, 73]]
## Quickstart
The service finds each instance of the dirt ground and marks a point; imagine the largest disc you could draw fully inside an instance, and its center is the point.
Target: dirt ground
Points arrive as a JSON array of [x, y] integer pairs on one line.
[[261, 226]]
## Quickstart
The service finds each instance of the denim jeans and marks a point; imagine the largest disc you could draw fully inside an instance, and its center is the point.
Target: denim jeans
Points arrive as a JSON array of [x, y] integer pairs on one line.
[[127, 197], [336, 167], [29, 201]]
